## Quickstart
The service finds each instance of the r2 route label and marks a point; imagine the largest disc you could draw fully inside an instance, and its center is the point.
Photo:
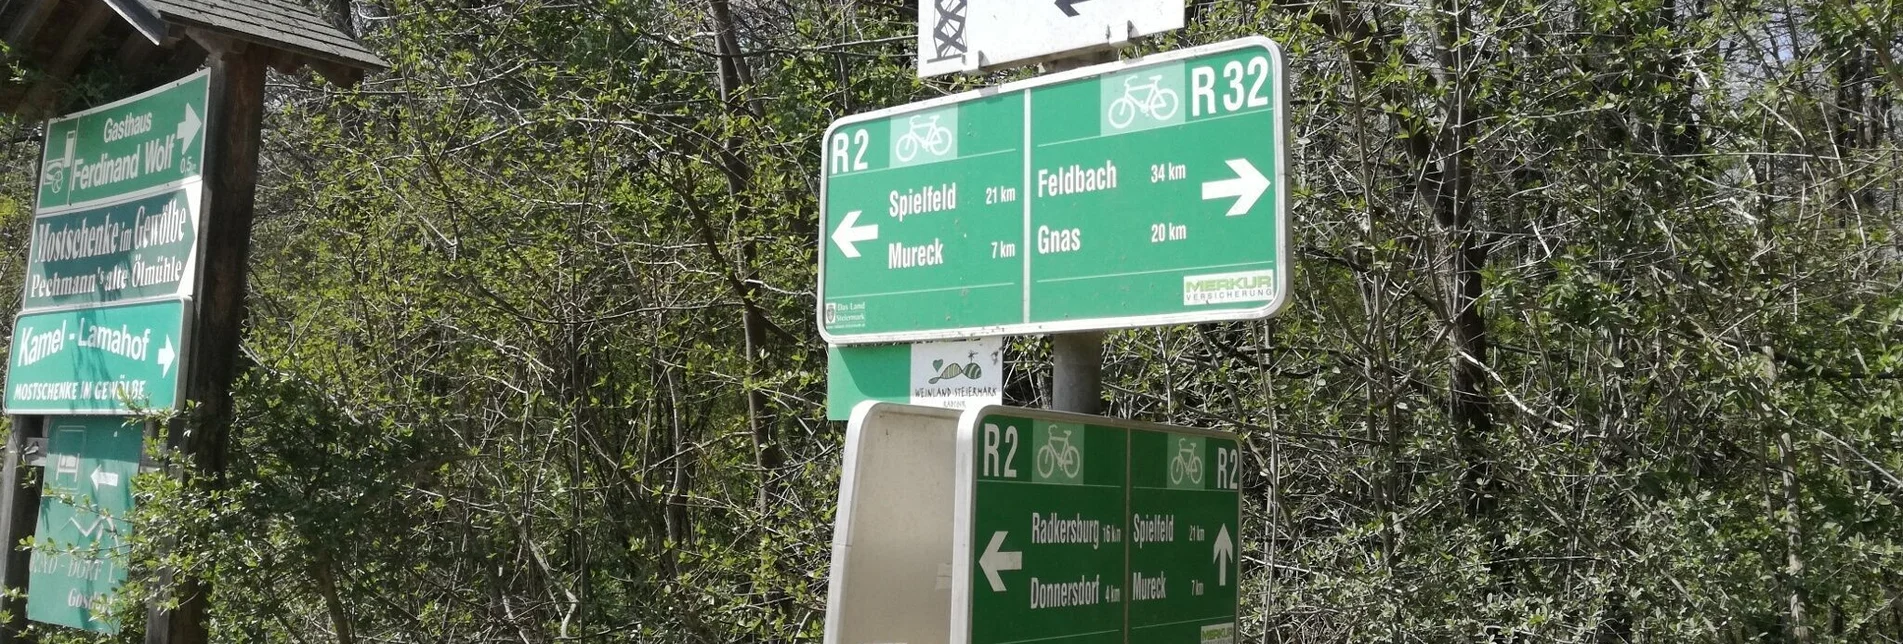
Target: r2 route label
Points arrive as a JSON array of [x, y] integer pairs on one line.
[[1086, 532], [1130, 194]]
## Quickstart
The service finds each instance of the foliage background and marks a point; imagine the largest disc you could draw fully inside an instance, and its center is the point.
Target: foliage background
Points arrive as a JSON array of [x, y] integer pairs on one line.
[[1594, 338]]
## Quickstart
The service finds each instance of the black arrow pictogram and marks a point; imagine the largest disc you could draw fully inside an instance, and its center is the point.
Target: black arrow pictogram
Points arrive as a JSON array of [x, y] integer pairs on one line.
[[1067, 6]]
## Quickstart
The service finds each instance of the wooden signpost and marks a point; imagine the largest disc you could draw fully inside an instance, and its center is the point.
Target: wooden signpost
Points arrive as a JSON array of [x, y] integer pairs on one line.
[[239, 41]]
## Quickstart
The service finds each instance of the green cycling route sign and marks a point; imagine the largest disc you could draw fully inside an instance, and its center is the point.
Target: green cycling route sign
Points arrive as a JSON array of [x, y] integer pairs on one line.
[[1085, 529], [999, 525], [98, 360], [1145, 192]]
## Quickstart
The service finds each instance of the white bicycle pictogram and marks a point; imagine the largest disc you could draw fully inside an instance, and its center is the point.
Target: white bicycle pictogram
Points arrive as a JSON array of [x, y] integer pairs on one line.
[[1148, 98], [1187, 463], [55, 176], [924, 134], [1057, 452]]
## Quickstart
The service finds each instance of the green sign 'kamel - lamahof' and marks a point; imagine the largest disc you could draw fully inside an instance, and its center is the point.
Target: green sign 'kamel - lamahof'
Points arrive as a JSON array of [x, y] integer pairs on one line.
[[141, 143], [1138, 193], [102, 360]]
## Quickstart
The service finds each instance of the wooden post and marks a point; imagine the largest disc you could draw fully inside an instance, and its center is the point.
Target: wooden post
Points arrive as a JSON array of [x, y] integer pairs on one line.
[[231, 170], [19, 515]]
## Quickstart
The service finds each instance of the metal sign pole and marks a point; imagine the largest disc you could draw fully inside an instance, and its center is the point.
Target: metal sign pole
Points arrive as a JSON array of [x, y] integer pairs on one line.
[[1077, 358]]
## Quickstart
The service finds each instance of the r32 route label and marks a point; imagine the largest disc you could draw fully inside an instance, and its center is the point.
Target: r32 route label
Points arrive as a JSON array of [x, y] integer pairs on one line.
[[1121, 195]]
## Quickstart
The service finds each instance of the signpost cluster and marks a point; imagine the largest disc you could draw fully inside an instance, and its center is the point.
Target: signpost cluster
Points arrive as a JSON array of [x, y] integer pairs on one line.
[[1133, 193], [103, 328], [113, 258], [1129, 194]]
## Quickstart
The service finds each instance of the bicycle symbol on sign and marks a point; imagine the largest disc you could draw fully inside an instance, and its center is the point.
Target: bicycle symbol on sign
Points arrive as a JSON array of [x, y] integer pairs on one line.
[[924, 134], [1057, 453], [1148, 98], [1187, 463], [55, 174]]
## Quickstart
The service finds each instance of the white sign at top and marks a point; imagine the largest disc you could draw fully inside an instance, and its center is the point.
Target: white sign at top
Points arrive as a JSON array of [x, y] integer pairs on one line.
[[973, 35]]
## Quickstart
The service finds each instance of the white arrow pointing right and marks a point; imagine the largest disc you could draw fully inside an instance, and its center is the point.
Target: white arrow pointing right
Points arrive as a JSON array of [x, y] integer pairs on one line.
[[993, 561], [848, 234], [1225, 548], [166, 357], [1246, 188], [188, 129]]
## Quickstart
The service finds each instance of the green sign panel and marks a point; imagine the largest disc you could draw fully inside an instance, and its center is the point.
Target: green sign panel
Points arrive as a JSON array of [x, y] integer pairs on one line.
[[952, 374], [78, 555], [1130, 194], [146, 142], [96, 360], [142, 248], [1098, 530]]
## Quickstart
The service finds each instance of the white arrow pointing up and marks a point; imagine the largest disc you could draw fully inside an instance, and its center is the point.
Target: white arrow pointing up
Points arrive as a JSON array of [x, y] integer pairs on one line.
[[1225, 548], [166, 357], [102, 478], [994, 561], [188, 129], [848, 234], [1247, 187]]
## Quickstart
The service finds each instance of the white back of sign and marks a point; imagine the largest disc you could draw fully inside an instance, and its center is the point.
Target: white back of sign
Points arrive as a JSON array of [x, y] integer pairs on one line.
[[972, 35], [892, 537]]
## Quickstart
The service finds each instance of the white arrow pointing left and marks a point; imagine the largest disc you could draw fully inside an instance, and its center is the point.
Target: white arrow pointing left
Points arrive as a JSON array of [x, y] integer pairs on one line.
[[166, 357], [994, 561], [102, 478], [1225, 548], [188, 128], [1246, 188], [849, 234]]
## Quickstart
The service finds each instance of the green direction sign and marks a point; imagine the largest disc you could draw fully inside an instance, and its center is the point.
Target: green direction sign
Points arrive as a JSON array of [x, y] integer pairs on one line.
[[145, 142], [1130, 194], [141, 248], [1084, 529], [96, 360], [78, 554]]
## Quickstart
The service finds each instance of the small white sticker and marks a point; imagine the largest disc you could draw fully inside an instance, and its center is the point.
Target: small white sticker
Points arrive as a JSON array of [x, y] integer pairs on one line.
[[1219, 633], [1227, 288], [953, 374]]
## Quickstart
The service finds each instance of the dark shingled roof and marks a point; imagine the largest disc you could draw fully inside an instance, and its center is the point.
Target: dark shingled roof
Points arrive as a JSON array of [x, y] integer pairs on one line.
[[283, 24]]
